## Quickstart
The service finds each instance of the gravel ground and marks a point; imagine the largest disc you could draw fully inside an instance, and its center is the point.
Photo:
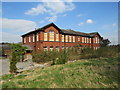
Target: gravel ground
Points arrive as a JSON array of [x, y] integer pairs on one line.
[[4, 66]]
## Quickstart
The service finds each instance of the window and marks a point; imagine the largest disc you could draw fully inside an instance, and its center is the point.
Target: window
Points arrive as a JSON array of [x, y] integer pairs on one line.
[[98, 40], [73, 38], [37, 37], [51, 48], [94, 40], [66, 47], [57, 37], [70, 39], [62, 47], [87, 40], [82, 39], [62, 38], [45, 36], [90, 40], [45, 48], [57, 48], [78, 38], [24, 40], [33, 38], [29, 39], [66, 38], [51, 35]]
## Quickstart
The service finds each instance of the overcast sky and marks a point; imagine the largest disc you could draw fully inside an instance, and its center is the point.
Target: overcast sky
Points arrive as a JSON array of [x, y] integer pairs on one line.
[[21, 17]]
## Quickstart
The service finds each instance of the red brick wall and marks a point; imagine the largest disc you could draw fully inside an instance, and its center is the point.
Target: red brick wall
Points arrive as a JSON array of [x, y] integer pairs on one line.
[[39, 44]]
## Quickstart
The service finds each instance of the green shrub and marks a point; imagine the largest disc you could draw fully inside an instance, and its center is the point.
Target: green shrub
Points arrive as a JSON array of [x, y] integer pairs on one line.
[[17, 50], [62, 57], [56, 57], [41, 57], [104, 52]]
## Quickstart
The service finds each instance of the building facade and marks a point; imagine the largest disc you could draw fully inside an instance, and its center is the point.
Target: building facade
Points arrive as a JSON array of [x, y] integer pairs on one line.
[[51, 37]]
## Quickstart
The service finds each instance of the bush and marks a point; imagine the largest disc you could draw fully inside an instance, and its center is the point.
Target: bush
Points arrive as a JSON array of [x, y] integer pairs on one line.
[[41, 57], [17, 51], [56, 57], [63, 56], [104, 52]]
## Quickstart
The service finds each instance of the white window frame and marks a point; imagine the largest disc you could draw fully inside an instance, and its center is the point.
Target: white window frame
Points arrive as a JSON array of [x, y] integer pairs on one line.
[[57, 48], [66, 38], [87, 40], [51, 37], [73, 38], [57, 37], [79, 38], [62, 38], [70, 38], [83, 38], [29, 39], [33, 38], [90, 40], [24, 39], [98, 40], [45, 36], [45, 48], [37, 37], [51, 49], [63, 47]]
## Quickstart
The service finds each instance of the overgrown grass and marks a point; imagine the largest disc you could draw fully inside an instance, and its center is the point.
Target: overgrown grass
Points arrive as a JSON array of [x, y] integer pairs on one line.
[[94, 73]]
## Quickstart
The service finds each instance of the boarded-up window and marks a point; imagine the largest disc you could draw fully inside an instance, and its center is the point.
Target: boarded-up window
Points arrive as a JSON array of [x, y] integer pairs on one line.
[[51, 35], [45, 36], [73, 38], [62, 38], [66, 38], [57, 37]]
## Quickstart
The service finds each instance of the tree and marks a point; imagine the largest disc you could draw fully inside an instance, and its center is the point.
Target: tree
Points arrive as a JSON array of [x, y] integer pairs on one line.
[[105, 42], [16, 52]]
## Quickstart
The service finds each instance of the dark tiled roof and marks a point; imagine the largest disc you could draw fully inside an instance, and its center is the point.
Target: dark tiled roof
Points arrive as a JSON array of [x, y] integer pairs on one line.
[[63, 31], [69, 31], [42, 28]]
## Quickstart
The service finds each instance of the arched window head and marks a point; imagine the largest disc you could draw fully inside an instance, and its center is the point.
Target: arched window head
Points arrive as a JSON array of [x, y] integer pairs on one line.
[[51, 31]]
